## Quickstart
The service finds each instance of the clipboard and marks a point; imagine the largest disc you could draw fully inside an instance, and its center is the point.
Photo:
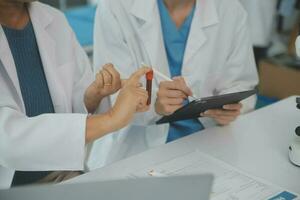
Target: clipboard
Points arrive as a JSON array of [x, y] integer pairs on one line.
[[198, 106]]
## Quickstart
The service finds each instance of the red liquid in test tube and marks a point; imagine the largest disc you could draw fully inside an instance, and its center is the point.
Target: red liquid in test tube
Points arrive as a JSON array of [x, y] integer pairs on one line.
[[149, 78]]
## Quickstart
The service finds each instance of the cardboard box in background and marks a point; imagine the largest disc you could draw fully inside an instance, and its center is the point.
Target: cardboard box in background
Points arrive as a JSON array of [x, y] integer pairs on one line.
[[277, 80]]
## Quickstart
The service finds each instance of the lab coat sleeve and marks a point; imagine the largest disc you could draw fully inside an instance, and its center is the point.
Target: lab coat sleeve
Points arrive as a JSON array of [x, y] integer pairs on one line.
[[240, 72], [47, 142]]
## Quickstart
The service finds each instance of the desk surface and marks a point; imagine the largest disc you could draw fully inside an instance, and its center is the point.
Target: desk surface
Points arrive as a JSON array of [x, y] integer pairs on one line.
[[256, 143]]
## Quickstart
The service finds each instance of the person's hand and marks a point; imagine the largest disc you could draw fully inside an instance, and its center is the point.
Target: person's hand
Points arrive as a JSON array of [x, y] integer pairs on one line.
[[131, 99], [224, 116], [107, 82], [171, 96]]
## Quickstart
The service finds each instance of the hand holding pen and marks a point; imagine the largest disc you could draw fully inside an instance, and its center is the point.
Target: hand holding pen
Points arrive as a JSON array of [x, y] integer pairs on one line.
[[171, 94], [164, 77]]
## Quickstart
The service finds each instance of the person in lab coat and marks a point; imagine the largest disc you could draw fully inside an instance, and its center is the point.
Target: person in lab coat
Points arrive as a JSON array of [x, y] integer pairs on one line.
[[45, 79], [204, 45], [262, 15]]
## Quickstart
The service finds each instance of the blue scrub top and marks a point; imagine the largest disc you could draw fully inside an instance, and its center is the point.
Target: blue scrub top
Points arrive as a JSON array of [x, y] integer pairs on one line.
[[175, 40]]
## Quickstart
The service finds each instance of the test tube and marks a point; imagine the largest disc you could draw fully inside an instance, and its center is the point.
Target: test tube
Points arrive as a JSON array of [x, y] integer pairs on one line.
[[149, 78]]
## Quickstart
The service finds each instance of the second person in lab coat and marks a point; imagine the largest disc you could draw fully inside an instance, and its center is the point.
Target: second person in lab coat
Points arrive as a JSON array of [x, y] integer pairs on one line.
[[261, 24], [204, 45]]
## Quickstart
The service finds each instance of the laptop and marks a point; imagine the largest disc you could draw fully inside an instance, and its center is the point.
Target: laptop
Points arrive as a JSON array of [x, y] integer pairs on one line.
[[196, 187]]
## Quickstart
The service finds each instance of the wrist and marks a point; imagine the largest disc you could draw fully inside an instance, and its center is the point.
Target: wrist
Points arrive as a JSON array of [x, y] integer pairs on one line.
[[92, 99], [100, 125], [158, 109], [93, 93], [114, 119]]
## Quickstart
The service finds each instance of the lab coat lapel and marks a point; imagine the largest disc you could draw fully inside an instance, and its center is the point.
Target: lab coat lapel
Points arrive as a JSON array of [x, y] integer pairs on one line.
[[9, 65], [205, 15], [41, 19], [147, 14]]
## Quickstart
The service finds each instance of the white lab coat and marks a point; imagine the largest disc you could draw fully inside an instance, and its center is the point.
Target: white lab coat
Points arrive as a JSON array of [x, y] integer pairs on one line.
[[218, 60], [48, 141], [261, 20]]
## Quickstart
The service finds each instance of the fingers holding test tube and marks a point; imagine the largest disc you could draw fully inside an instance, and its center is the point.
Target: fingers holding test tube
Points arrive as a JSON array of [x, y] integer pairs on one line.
[[171, 94]]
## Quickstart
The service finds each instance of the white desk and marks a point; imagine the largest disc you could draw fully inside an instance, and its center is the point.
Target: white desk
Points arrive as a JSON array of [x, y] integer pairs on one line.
[[257, 143]]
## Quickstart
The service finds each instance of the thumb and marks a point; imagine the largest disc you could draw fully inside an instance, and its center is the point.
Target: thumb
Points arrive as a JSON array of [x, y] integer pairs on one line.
[[135, 77]]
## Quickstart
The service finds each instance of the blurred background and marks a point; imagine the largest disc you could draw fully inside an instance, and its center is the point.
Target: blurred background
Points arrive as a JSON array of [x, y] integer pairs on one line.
[[273, 24]]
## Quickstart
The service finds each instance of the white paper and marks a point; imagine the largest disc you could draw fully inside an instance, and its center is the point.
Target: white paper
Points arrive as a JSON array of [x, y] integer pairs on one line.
[[229, 183]]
